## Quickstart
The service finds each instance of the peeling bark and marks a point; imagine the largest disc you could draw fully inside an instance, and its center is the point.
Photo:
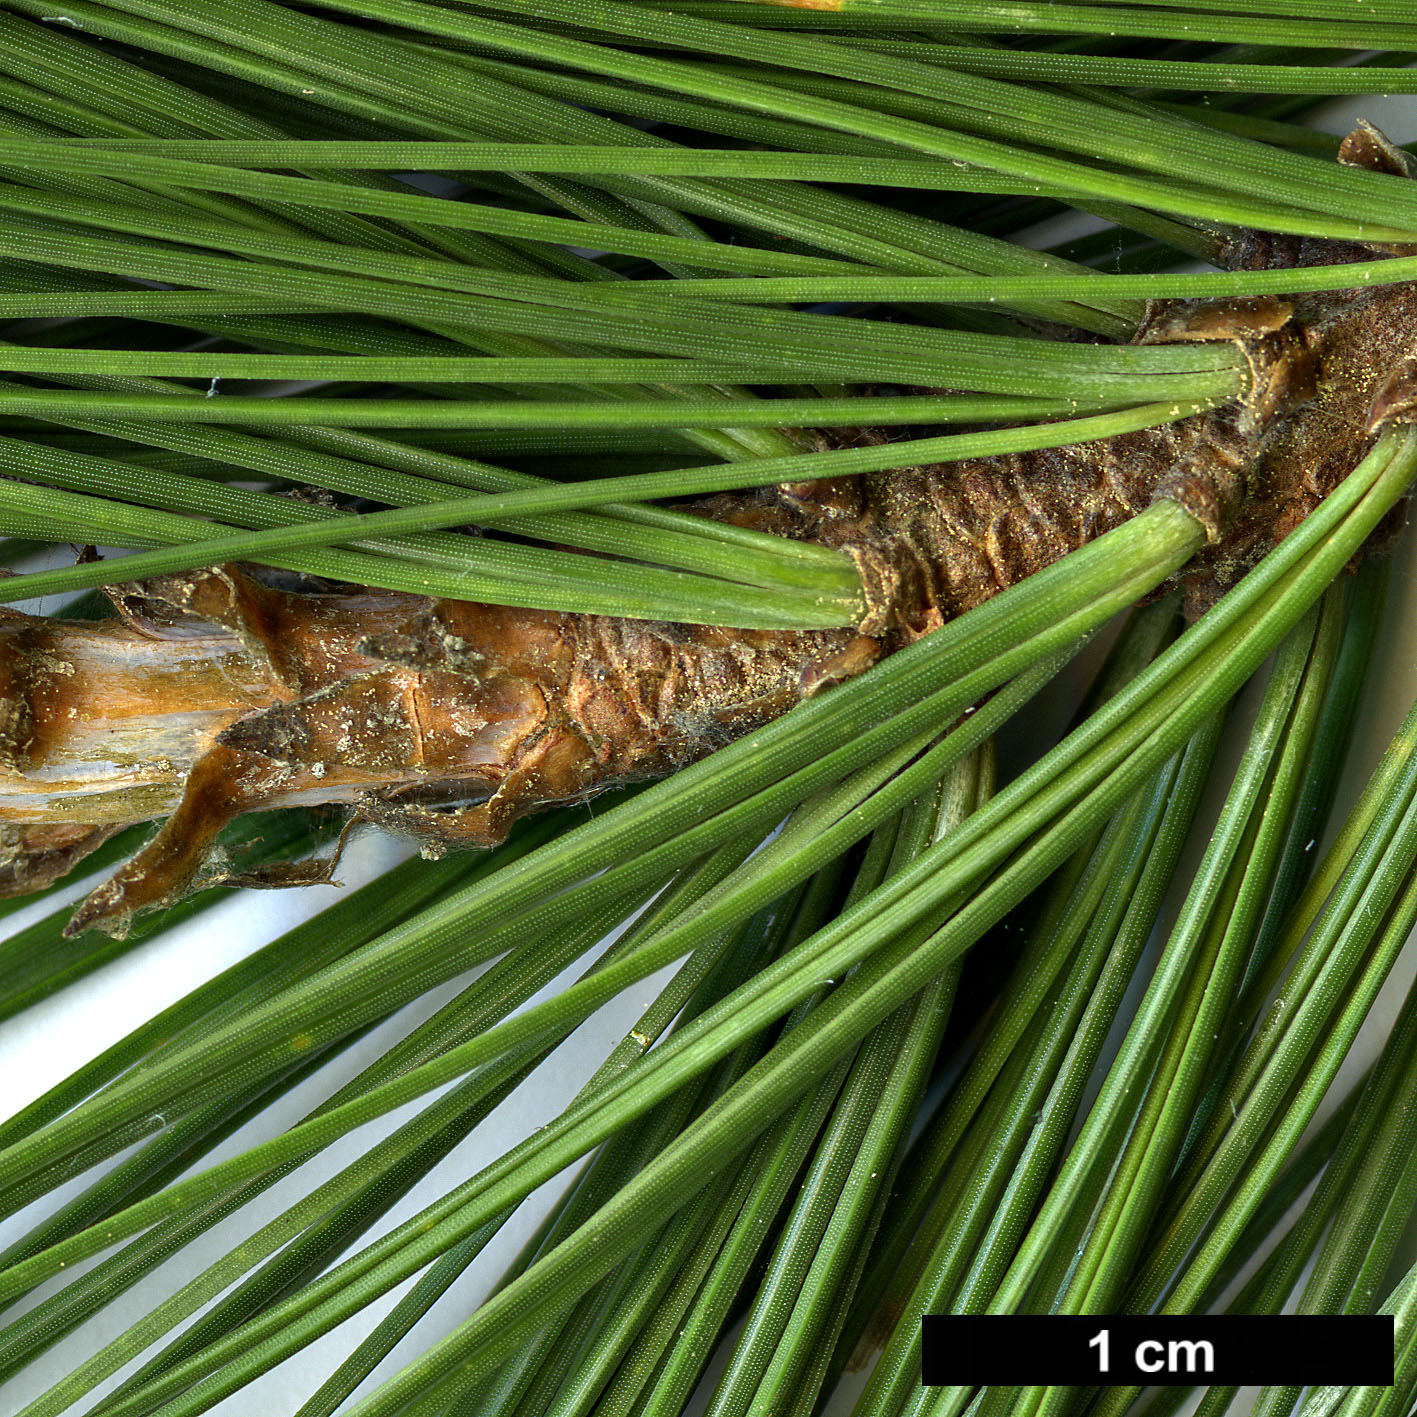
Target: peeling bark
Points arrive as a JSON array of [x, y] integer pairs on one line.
[[217, 694]]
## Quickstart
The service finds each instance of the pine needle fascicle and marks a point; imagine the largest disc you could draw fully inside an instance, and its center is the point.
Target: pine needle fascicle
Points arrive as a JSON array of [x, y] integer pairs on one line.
[[551, 270]]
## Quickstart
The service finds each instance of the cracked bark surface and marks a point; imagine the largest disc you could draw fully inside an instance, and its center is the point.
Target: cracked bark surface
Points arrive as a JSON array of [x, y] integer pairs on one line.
[[215, 693]]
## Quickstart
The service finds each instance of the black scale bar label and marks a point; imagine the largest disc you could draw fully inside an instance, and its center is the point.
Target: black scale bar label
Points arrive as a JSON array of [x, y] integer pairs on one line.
[[1013, 1350]]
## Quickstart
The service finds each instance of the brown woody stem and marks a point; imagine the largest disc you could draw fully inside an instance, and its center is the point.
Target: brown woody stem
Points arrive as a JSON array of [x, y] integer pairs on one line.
[[217, 694]]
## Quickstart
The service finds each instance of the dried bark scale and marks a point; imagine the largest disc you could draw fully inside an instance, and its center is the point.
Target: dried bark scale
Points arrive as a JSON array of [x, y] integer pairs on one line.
[[216, 694]]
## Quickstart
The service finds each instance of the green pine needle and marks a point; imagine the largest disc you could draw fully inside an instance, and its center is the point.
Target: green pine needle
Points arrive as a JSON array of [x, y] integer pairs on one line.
[[927, 1002]]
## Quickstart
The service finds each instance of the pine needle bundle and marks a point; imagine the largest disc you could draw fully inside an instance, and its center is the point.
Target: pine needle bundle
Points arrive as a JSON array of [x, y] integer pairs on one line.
[[845, 542]]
